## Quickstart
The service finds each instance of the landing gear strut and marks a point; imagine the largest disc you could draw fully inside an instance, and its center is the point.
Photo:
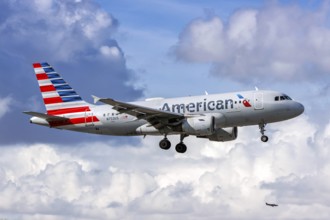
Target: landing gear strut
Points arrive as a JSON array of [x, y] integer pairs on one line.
[[165, 144], [181, 147], [264, 138]]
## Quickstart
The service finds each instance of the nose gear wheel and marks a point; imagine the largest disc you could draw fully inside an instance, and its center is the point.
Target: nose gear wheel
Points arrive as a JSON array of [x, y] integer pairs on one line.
[[262, 126]]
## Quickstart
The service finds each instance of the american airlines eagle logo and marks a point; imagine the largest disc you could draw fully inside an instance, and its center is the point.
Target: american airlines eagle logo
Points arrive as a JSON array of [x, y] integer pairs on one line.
[[245, 102]]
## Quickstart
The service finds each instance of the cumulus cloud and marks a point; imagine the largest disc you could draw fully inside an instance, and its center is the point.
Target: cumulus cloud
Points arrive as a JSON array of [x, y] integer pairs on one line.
[[112, 180], [5, 105], [112, 52], [199, 40], [281, 42], [79, 26], [231, 180], [76, 37]]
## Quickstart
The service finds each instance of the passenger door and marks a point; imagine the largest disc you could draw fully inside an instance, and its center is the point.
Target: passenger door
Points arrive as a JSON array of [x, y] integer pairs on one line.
[[258, 100]]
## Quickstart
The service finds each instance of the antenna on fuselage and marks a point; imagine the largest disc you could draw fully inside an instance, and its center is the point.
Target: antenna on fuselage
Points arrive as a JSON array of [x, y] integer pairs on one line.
[[256, 88], [206, 93]]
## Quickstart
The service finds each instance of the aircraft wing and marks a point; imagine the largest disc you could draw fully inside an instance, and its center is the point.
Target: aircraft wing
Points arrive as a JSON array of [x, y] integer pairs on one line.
[[49, 118], [153, 116]]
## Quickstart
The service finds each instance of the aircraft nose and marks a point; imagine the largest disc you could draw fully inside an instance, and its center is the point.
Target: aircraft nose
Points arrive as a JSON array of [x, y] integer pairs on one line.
[[299, 108]]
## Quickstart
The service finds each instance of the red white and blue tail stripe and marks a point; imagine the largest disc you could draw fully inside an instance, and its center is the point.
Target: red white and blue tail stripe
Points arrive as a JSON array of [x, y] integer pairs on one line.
[[59, 97]]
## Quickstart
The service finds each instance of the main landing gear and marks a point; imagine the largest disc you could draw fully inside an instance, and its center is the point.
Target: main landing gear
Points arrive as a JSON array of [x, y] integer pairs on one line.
[[165, 144], [264, 138]]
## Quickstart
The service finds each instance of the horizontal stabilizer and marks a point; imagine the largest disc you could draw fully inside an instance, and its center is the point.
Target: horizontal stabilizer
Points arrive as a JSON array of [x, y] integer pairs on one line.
[[49, 118]]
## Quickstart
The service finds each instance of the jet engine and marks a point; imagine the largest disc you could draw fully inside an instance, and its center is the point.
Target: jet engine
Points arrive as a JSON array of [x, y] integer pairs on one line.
[[223, 134], [200, 125]]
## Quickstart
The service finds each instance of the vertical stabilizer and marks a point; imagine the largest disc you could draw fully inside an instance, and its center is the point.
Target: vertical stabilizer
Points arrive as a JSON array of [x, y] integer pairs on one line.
[[58, 95]]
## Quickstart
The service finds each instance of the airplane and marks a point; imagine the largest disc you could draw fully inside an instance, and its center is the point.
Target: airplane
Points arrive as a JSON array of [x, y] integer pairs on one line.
[[271, 204], [211, 116]]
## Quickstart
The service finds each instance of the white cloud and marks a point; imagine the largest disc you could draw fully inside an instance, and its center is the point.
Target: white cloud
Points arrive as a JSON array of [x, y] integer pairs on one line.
[[232, 179], [43, 5], [68, 35], [113, 52], [203, 40], [63, 29], [243, 28], [274, 42], [5, 105]]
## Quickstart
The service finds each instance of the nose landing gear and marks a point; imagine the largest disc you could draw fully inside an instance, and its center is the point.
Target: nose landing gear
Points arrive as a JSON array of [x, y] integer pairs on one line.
[[264, 138], [262, 126]]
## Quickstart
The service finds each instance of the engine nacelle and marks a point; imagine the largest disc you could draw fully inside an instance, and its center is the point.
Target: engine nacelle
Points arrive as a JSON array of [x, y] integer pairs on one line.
[[224, 134], [200, 125], [219, 119]]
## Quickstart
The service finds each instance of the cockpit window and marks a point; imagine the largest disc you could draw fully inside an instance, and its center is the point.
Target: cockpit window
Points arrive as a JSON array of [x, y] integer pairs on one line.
[[287, 97], [282, 97]]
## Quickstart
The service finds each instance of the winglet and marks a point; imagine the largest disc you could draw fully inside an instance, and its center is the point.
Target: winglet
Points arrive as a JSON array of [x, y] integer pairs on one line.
[[96, 99]]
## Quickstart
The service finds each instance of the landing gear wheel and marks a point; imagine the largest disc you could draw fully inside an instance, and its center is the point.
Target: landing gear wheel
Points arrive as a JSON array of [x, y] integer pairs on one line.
[[264, 138], [165, 144], [262, 126], [181, 148]]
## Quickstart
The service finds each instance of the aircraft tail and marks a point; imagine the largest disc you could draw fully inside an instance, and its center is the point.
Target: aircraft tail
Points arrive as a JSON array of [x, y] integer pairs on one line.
[[58, 96]]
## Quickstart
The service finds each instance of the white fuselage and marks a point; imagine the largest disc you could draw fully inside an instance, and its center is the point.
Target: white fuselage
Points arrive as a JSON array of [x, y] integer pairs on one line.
[[232, 110]]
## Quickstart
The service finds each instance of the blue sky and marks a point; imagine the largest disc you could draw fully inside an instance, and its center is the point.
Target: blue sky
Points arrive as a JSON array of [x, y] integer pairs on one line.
[[154, 26], [132, 50]]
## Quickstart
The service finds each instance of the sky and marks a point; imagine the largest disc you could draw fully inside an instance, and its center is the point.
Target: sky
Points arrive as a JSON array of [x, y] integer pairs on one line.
[[132, 50]]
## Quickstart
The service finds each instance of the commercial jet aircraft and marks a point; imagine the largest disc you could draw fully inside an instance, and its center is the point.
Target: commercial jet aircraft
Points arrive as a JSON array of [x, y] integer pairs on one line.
[[214, 117], [271, 204]]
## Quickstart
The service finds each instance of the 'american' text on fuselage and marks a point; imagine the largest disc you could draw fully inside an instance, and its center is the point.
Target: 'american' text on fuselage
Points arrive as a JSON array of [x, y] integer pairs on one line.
[[204, 105]]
